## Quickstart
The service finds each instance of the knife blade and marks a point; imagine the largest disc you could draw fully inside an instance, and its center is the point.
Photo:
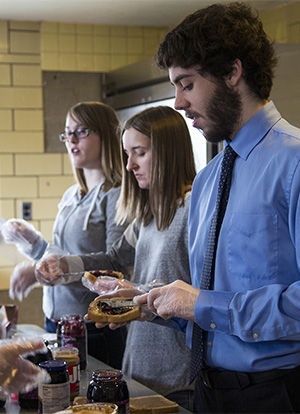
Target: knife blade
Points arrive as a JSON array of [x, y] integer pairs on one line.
[[119, 303]]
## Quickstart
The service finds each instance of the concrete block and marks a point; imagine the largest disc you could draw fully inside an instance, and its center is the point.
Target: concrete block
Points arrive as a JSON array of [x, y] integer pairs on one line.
[[49, 42], [3, 36], [135, 31], [11, 187], [46, 229], [68, 61], [27, 75], [101, 45], [101, 30], [85, 44], [6, 165], [119, 31], [29, 120], [7, 208], [25, 42], [67, 28], [118, 45], [85, 63], [5, 74], [38, 164], [67, 166], [45, 208], [84, 29], [5, 274], [24, 25], [67, 43], [18, 97], [5, 119], [102, 63], [135, 45], [50, 60], [49, 27], [23, 142], [54, 186]]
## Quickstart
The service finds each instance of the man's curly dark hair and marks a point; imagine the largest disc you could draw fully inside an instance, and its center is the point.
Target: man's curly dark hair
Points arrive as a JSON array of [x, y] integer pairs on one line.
[[214, 37]]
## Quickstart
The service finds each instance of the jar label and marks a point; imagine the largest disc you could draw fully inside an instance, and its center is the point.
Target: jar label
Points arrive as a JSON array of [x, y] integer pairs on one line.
[[53, 397], [74, 374]]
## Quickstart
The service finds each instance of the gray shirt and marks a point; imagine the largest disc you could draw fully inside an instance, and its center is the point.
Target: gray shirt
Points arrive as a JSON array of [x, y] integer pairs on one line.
[[156, 356], [83, 225]]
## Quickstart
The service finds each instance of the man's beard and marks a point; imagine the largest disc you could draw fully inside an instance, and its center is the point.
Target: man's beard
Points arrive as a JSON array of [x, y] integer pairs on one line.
[[224, 112]]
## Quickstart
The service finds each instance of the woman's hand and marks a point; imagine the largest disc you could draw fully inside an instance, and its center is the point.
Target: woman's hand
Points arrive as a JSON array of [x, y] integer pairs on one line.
[[22, 280], [50, 270]]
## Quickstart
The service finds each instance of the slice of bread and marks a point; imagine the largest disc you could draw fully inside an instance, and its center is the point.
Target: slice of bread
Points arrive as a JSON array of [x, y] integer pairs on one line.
[[152, 404], [93, 275], [98, 311]]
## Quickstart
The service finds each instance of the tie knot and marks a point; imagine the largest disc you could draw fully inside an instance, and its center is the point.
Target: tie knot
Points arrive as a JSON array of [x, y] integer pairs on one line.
[[229, 153]]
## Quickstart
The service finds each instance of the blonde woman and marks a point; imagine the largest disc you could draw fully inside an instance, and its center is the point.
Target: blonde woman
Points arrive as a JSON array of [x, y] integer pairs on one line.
[[85, 222]]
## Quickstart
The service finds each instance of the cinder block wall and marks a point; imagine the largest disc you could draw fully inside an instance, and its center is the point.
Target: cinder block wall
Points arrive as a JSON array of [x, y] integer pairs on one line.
[[27, 48]]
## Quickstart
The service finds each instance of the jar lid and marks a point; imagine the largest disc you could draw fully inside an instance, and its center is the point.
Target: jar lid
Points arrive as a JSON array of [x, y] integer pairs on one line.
[[107, 374], [54, 365]]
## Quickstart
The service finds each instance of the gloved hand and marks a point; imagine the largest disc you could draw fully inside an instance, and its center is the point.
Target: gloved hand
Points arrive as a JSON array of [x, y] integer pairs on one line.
[[105, 284], [22, 234], [22, 280], [176, 299], [16, 373], [50, 269]]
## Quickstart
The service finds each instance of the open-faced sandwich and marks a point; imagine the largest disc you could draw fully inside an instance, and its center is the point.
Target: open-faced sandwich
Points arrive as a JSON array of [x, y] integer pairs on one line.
[[93, 275], [116, 310], [104, 408]]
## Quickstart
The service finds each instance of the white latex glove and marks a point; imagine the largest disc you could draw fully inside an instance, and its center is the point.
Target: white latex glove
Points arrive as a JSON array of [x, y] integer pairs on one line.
[[50, 270], [21, 233], [22, 280], [176, 299], [105, 284], [16, 373]]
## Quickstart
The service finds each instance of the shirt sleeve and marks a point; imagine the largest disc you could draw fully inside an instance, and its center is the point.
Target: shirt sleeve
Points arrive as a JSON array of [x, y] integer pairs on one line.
[[120, 257]]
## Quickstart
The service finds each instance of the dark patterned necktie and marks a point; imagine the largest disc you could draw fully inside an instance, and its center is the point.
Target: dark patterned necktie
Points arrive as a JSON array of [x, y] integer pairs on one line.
[[210, 254]]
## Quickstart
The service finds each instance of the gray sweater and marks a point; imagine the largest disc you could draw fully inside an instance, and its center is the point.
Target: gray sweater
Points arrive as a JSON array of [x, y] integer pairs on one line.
[[156, 356], [83, 225]]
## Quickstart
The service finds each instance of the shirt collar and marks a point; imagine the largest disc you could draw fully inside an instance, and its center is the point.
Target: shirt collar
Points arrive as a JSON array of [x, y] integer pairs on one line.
[[254, 130]]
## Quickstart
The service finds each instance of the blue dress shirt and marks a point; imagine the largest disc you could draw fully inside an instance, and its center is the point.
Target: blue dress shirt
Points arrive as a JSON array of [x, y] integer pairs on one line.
[[253, 313]]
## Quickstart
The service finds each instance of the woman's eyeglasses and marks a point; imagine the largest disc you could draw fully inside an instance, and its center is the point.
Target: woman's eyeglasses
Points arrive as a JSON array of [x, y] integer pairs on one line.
[[79, 133]]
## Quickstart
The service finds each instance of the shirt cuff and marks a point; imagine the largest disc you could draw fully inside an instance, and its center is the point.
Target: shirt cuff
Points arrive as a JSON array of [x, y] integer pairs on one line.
[[212, 311]]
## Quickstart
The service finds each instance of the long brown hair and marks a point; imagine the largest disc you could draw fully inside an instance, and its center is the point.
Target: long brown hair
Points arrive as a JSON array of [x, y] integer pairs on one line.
[[172, 168], [102, 119]]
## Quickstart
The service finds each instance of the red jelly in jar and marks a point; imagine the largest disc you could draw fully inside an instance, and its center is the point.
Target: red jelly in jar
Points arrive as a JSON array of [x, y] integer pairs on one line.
[[71, 331]]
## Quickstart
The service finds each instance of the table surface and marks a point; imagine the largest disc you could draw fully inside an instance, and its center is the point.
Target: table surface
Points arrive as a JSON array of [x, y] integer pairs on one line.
[[135, 388]]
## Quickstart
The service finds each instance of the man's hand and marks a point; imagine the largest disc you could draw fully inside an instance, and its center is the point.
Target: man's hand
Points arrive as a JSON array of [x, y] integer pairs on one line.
[[176, 299]]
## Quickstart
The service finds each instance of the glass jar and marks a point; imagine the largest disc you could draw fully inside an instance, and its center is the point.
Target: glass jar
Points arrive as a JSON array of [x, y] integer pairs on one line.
[[109, 386], [70, 356], [54, 396], [71, 331], [29, 400]]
